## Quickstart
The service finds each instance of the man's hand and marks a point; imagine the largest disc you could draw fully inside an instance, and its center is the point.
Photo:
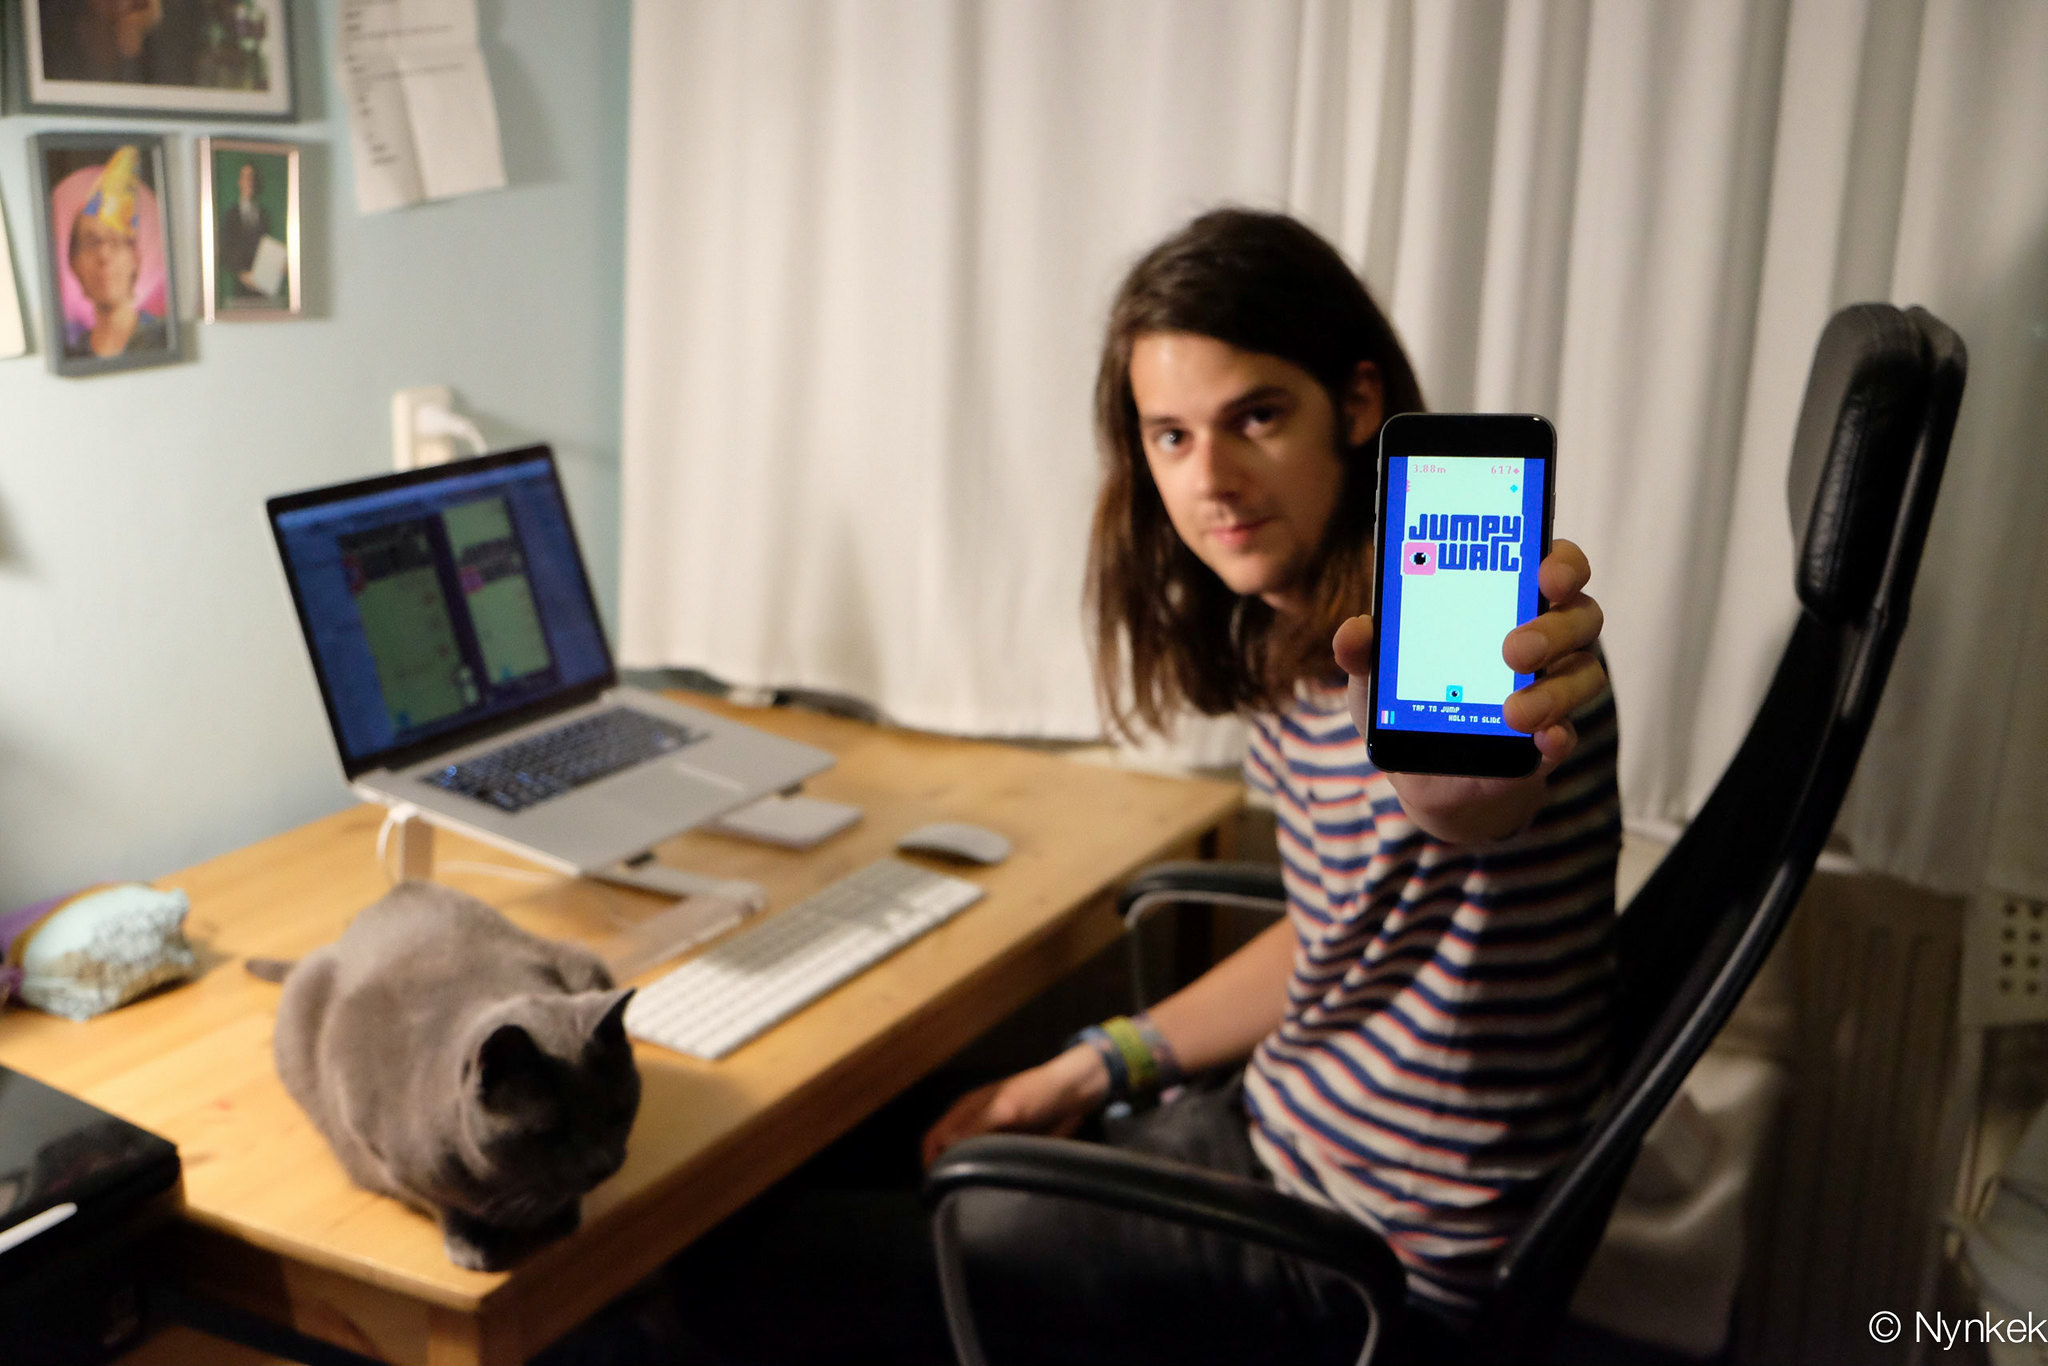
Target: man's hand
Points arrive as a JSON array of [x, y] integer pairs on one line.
[[1052, 1098], [1556, 646]]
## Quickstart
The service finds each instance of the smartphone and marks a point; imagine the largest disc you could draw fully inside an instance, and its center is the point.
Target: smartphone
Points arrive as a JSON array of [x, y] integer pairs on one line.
[[1464, 520]]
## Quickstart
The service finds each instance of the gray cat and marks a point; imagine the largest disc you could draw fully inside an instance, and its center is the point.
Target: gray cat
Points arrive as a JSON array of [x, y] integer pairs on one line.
[[464, 1066]]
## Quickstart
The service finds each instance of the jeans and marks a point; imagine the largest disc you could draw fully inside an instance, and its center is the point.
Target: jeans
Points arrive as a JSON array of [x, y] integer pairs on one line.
[[839, 1268]]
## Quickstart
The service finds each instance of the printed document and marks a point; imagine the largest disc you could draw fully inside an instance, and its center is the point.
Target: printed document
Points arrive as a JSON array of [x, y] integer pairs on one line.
[[421, 119]]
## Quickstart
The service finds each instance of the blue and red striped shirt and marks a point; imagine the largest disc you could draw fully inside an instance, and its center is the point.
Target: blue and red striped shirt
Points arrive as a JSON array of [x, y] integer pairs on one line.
[[1446, 1021]]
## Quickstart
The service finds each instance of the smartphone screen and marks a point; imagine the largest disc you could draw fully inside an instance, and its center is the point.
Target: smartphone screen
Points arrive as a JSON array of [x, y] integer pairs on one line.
[[1464, 523]]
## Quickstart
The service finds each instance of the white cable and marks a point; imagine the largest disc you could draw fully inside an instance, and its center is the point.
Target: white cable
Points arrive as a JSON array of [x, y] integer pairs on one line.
[[404, 811], [435, 420]]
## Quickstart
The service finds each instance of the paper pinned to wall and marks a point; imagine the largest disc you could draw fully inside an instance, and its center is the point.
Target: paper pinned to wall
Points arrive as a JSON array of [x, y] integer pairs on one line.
[[421, 118], [13, 336]]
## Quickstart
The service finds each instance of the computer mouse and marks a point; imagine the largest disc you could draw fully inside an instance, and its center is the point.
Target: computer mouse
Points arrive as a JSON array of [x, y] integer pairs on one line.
[[957, 840]]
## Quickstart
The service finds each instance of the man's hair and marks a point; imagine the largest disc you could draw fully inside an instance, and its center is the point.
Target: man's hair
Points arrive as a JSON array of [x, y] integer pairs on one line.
[[1260, 282]]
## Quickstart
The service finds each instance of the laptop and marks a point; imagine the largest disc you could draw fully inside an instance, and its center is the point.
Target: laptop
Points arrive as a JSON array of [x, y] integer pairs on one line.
[[82, 1195], [464, 670], [70, 1177]]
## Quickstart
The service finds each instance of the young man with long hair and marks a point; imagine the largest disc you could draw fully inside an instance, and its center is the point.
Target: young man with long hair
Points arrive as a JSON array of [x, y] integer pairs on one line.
[[1418, 1041]]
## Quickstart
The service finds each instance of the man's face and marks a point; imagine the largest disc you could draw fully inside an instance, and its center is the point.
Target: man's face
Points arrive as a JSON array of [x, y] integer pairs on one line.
[[1243, 449], [245, 181], [128, 22], [103, 258]]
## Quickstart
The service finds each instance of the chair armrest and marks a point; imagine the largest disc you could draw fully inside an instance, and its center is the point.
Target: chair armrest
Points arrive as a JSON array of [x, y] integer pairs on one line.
[[1143, 1184], [1245, 886], [1253, 885]]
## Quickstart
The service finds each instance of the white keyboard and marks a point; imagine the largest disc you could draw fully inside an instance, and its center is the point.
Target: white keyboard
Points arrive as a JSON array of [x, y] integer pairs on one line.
[[725, 996]]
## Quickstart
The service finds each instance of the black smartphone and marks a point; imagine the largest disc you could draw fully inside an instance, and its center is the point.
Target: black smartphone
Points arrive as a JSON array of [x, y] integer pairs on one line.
[[1464, 519]]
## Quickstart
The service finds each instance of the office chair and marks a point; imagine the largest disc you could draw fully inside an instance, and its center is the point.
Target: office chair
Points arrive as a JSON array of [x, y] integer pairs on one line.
[[1867, 458]]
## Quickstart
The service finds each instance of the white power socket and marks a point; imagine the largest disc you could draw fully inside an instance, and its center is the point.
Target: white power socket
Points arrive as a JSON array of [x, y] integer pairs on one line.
[[2005, 960], [409, 449]]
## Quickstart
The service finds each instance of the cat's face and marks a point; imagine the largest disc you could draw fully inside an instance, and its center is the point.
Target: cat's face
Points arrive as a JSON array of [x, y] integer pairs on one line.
[[549, 1095]]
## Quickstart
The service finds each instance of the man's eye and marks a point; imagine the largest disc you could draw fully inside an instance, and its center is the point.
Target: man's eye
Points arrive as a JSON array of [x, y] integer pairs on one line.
[[1263, 416], [1169, 440]]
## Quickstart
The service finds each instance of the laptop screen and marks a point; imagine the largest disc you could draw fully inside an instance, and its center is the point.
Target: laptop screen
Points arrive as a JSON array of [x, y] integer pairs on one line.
[[441, 602]]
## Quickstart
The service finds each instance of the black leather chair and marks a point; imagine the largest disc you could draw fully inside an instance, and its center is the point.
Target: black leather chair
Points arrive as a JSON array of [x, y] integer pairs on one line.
[[1872, 438]]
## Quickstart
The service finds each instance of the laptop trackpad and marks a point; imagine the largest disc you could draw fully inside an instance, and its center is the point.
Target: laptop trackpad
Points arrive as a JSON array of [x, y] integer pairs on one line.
[[677, 789]]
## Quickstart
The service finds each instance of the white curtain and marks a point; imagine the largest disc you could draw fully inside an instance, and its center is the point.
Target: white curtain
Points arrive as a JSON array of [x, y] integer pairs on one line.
[[871, 242]]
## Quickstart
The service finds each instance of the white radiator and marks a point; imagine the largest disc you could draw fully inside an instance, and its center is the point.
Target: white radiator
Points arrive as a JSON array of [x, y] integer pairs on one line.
[[1845, 1216]]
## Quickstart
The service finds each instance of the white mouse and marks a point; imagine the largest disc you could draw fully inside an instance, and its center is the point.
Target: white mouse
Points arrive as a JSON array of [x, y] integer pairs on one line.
[[957, 840]]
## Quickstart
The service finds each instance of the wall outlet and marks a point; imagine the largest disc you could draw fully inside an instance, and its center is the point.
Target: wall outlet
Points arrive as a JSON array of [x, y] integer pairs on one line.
[[410, 450], [2005, 960]]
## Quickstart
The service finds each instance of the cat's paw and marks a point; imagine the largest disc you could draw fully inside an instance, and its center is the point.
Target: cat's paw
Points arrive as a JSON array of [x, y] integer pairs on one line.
[[471, 1245], [477, 1246], [468, 1254]]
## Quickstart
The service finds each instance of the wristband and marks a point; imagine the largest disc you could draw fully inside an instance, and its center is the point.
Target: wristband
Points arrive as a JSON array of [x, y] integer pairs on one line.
[[1165, 1061], [1097, 1038], [1139, 1060], [1139, 1064]]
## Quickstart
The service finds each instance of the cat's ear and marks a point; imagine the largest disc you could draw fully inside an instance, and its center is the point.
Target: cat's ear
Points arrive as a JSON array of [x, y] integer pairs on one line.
[[610, 1030], [507, 1054]]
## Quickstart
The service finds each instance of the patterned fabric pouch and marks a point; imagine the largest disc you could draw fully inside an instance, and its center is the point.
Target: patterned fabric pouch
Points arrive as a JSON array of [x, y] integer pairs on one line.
[[84, 954]]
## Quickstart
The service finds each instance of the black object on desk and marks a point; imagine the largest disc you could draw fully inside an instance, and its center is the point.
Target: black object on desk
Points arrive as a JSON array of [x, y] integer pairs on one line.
[[77, 1188]]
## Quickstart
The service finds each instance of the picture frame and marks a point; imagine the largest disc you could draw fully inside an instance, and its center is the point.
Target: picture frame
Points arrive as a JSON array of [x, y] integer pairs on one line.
[[224, 59], [103, 217], [249, 230]]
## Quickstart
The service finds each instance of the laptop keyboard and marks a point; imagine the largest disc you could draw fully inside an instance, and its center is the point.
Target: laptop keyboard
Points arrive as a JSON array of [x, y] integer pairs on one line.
[[528, 772]]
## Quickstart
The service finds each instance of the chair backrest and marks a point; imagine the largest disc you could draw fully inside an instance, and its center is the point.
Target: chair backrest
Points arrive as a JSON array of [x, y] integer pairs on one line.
[[1872, 438]]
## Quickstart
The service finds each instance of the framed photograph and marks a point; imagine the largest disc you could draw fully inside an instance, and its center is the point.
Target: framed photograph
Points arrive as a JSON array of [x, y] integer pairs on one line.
[[107, 251], [249, 229], [212, 58]]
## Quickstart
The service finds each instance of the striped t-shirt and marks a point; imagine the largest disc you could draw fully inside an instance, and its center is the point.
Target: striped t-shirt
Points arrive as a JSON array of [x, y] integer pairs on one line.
[[1446, 1020]]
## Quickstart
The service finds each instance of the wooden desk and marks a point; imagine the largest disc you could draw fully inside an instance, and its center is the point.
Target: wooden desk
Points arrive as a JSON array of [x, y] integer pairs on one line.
[[273, 1225]]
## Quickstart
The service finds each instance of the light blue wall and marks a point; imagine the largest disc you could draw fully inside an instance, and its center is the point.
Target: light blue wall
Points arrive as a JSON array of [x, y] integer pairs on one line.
[[156, 706]]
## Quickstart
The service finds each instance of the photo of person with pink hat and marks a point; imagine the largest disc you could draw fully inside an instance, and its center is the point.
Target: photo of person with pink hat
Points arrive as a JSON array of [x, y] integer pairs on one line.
[[106, 251]]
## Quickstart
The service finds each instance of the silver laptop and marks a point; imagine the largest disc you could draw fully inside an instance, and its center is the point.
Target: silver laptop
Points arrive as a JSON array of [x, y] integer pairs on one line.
[[464, 669]]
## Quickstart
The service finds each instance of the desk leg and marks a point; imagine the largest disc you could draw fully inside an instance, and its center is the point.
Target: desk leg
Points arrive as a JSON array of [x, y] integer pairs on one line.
[[453, 1339], [365, 1319], [458, 1339], [358, 1317]]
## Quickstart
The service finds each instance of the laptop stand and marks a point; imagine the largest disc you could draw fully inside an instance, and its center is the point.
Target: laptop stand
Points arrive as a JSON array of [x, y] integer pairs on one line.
[[704, 906]]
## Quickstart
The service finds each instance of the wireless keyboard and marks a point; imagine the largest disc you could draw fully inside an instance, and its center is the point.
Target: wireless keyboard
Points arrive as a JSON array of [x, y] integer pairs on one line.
[[719, 1000]]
